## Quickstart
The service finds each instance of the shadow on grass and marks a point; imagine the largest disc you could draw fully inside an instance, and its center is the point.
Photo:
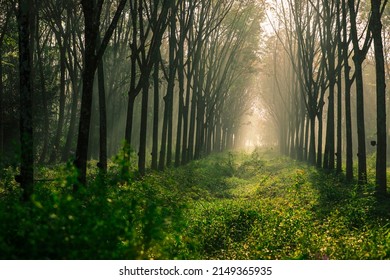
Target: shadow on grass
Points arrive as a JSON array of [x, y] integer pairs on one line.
[[359, 205]]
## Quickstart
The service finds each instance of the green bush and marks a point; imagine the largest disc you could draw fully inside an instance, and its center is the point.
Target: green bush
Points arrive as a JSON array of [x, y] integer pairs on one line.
[[130, 220]]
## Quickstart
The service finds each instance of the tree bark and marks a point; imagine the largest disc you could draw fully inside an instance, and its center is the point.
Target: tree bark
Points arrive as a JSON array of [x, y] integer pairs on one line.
[[339, 160], [331, 76], [1, 105], [191, 133], [180, 111], [319, 146], [102, 120], [312, 149], [26, 178], [358, 60], [143, 130], [92, 56], [156, 104], [381, 182], [347, 86], [61, 113], [173, 58], [306, 143], [45, 130], [3, 32], [184, 156], [132, 94]]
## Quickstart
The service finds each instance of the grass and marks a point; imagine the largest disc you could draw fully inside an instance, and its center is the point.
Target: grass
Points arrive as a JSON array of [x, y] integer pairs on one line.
[[227, 206]]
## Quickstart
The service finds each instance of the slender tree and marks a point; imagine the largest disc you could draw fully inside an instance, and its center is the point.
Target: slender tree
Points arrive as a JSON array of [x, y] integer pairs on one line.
[[347, 93], [358, 58], [3, 31], [92, 56], [381, 153], [26, 178]]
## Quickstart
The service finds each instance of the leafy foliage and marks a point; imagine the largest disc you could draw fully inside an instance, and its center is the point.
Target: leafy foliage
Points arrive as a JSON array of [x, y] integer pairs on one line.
[[129, 219]]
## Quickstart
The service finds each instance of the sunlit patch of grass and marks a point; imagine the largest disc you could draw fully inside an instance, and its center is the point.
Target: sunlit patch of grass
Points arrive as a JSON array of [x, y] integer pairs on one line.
[[300, 213]]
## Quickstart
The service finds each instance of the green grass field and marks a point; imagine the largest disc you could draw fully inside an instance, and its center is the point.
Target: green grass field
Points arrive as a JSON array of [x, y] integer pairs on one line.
[[227, 206]]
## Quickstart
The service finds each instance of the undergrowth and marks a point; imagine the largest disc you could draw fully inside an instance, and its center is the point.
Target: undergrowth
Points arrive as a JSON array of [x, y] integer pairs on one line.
[[227, 206]]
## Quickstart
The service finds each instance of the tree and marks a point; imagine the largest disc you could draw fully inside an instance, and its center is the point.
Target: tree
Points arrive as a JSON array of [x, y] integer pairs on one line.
[[376, 29], [74, 67], [92, 56], [358, 58], [4, 26], [339, 88], [347, 93], [26, 178], [328, 22], [166, 138]]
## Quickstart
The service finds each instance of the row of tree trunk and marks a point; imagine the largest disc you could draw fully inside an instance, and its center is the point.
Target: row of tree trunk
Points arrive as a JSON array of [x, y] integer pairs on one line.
[[327, 37], [193, 55]]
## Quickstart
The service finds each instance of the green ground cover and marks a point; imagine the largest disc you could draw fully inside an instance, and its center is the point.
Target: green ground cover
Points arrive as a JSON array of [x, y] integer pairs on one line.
[[227, 206]]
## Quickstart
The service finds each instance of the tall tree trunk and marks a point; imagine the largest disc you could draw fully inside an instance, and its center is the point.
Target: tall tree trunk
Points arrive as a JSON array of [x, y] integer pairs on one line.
[[191, 133], [129, 119], [102, 120], [200, 127], [26, 178], [209, 133], [381, 184], [347, 85], [181, 106], [132, 94], [1, 105], [4, 30], [172, 74], [156, 103], [143, 129], [306, 145], [339, 155], [186, 111], [90, 33], [161, 163], [312, 148], [90, 63], [61, 113], [170, 131], [291, 137], [339, 152], [297, 127], [348, 125], [319, 146], [282, 138], [164, 150], [362, 164], [85, 113], [302, 133], [218, 134], [358, 60], [166, 141], [199, 80], [46, 134], [329, 146]]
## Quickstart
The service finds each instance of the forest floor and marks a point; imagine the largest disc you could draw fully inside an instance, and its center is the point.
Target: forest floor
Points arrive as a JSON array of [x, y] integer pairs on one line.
[[228, 206]]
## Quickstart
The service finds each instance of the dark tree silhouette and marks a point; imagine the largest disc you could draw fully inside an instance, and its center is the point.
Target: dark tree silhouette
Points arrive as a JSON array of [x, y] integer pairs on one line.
[[381, 153], [26, 178], [92, 56]]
